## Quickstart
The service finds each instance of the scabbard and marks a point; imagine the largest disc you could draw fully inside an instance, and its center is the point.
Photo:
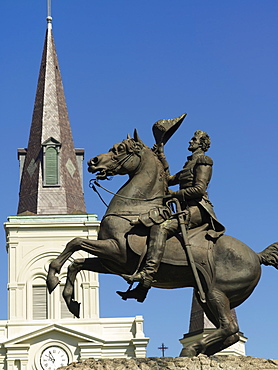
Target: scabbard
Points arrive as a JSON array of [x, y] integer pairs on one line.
[[191, 261]]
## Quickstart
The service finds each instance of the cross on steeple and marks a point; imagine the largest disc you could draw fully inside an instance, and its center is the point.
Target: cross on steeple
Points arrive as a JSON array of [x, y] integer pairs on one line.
[[163, 348]]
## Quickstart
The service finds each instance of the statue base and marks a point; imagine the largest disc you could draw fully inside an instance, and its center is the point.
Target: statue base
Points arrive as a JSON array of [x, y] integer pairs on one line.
[[200, 362], [237, 349]]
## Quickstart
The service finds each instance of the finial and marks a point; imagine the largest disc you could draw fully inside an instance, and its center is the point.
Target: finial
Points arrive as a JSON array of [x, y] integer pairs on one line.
[[49, 18]]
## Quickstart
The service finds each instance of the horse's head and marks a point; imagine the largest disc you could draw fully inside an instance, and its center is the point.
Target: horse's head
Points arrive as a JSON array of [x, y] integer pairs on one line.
[[123, 158]]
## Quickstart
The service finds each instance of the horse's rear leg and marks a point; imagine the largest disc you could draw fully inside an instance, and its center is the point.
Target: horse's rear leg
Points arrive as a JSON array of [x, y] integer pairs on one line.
[[102, 248], [218, 311], [90, 264], [222, 345]]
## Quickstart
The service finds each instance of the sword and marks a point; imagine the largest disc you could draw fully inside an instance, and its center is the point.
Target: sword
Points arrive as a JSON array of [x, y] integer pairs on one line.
[[180, 215]]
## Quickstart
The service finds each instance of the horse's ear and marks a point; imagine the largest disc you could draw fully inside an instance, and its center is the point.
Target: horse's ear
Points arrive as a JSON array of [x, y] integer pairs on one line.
[[136, 136], [128, 136]]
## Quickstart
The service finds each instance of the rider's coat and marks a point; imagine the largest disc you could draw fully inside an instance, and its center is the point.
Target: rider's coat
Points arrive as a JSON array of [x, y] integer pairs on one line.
[[193, 181]]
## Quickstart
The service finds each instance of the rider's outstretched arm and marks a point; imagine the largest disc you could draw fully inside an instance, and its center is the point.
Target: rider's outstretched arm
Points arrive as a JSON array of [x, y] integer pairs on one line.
[[159, 150]]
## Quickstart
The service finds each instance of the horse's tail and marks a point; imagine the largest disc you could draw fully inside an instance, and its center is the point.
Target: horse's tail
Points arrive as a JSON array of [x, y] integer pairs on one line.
[[269, 256]]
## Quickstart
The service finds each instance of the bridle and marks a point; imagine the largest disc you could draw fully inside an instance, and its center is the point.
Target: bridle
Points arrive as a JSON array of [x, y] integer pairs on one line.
[[132, 148], [94, 182], [120, 163]]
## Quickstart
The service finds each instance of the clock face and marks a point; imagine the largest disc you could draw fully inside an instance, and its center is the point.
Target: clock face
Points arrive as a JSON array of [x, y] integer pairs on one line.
[[54, 357]]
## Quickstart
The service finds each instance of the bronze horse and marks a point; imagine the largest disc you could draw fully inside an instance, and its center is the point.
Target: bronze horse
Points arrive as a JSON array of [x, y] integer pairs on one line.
[[228, 268]]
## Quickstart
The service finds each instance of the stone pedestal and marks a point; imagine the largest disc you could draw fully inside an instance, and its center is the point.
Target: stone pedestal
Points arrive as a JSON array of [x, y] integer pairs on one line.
[[201, 362]]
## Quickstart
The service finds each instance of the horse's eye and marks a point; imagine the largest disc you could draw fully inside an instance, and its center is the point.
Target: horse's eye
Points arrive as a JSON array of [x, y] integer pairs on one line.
[[121, 148]]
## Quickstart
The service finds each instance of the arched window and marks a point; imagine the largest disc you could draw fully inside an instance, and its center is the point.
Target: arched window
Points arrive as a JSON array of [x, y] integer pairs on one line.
[[51, 149], [51, 166], [40, 299]]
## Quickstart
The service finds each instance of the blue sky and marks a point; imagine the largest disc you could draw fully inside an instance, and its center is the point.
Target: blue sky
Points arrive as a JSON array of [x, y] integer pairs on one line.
[[126, 64]]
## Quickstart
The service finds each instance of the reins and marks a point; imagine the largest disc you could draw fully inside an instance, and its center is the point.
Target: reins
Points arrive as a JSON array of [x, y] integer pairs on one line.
[[94, 182], [92, 186]]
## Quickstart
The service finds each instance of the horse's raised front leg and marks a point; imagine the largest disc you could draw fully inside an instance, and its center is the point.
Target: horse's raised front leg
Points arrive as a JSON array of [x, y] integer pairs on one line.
[[55, 266], [108, 249], [90, 264], [218, 311]]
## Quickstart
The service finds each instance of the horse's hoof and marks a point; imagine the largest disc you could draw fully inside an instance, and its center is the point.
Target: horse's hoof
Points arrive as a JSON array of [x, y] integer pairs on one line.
[[188, 352], [51, 282], [74, 308]]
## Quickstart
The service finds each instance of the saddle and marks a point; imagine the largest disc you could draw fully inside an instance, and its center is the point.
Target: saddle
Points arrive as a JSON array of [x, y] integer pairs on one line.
[[175, 253]]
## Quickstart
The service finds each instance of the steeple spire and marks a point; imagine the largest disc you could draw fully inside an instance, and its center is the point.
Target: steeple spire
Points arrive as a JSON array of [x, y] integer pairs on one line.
[[51, 170]]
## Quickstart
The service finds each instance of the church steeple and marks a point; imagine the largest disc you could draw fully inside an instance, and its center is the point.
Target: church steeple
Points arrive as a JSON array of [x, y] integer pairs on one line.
[[51, 169]]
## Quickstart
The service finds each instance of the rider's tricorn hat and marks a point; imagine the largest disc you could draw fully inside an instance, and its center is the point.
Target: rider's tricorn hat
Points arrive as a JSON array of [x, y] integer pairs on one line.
[[165, 128]]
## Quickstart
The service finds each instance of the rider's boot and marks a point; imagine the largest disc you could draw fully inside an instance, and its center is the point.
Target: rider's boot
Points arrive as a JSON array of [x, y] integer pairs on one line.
[[139, 293], [158, 236]]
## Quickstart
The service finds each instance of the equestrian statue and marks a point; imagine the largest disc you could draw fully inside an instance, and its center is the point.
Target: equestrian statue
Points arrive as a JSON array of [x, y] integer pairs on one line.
[[157, 237]]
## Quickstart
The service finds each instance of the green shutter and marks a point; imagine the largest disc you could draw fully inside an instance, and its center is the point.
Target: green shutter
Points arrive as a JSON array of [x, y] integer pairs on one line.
[[51, 166]]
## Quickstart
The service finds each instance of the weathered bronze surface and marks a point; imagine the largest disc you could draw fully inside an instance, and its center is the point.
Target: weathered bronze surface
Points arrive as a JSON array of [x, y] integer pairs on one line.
[[140, 237]]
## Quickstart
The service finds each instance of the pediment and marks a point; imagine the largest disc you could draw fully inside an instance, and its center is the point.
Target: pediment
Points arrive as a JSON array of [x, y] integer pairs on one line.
[[52, 330], [51, 141]]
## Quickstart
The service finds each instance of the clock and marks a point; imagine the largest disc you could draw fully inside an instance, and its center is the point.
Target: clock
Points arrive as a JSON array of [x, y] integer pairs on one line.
[[54, 357]]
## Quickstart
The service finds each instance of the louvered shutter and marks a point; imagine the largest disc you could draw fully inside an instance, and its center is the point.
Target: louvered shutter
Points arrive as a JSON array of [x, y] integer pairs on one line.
[[39, 302], [51, 166]]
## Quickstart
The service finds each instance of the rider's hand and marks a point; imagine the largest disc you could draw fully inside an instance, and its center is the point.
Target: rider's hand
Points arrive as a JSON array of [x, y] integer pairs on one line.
[[179, 195], [158, 148]]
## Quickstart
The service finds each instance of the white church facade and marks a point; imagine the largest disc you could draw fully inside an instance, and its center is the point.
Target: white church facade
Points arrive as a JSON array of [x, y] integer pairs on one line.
[[37, 320], [40, 332]]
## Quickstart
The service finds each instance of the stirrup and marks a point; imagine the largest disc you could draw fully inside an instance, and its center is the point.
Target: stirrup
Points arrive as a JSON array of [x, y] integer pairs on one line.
[[140, 277], [137, 277]]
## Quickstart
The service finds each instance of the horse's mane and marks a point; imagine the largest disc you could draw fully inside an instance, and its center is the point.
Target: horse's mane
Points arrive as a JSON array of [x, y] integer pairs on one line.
[[136, 145], [159, 164]]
